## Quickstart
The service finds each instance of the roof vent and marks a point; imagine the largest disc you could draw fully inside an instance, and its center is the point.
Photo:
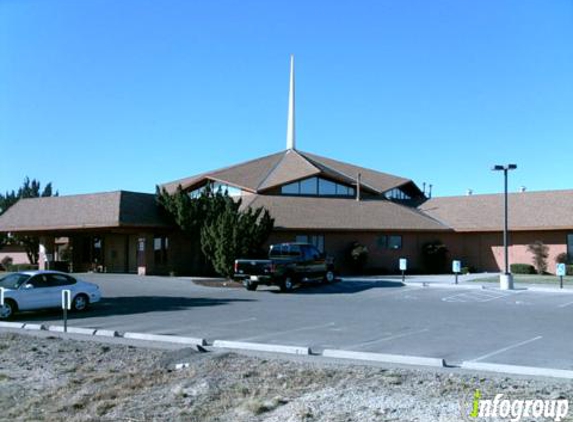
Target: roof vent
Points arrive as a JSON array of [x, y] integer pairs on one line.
[[522, 189], [469, 192]]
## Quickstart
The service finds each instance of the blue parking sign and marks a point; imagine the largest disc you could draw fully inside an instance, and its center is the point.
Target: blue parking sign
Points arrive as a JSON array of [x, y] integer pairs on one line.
[[561, 270]]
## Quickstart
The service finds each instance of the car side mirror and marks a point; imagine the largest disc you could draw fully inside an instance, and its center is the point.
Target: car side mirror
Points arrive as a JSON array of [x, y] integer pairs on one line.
[[28, 286]]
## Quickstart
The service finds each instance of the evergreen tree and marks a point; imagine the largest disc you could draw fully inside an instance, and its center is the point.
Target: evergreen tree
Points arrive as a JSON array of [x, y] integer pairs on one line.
[[29, 189]]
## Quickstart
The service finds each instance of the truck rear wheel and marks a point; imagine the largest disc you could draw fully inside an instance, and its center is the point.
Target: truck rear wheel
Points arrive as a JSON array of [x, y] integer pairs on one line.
[[287, 285], [329, 277], [249, 285]]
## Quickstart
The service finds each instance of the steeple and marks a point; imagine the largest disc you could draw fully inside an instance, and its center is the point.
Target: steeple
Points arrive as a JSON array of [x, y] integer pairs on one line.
[[290, 122]]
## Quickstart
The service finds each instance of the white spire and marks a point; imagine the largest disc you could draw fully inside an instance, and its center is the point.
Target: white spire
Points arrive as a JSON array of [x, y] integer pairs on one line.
[[290, 123]]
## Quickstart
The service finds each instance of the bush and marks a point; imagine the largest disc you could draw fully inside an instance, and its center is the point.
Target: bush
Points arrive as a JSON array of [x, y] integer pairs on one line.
[[522, 269], [6, 262], [562, 258], [569, 270], [435, 257], [469, 270], [357, 256]]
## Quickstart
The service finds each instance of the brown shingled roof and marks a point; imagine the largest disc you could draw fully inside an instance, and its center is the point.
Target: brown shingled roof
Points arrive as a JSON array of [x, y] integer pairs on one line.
[[545, 210], [299, 212], [98, 210], [277, 169]]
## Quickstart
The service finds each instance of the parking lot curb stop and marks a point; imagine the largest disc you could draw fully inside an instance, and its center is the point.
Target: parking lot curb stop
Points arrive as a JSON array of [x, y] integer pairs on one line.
[[385, 358]]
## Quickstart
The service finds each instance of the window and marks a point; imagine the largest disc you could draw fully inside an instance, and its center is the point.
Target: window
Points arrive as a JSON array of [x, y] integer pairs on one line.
[[59, 280], [160, 245], [390, 242], [316, 240], [570, 246], [216, 187], [317, 186], [397, 194]]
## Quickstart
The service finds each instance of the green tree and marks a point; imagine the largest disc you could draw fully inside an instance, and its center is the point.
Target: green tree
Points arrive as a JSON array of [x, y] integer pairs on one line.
[[29, 189], [234, 234], [216, 227]]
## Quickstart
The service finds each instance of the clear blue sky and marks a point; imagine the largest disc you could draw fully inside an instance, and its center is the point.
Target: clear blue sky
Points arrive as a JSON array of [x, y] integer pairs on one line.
[[99, 95]]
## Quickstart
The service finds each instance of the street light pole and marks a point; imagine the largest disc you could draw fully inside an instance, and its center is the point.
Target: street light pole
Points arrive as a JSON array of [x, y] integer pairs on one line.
[[506, 279]]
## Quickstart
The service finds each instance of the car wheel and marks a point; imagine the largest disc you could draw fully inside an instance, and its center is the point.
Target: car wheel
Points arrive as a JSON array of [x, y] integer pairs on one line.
[[8, 310], [329, 277], [80, 303], [287, 284], [249, 285]]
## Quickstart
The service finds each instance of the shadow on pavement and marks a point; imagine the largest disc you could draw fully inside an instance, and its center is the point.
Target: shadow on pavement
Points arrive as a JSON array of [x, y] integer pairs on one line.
[[345, 287], [129, 305]]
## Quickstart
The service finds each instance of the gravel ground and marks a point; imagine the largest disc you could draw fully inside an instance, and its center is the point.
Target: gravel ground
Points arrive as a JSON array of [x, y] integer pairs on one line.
[[55, 379]]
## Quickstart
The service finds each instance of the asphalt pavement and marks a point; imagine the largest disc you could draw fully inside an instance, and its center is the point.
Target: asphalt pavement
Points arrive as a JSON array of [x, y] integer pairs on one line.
[[371, 315]]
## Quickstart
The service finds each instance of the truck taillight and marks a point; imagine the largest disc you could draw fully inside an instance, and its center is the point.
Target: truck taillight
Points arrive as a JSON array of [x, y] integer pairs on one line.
[[236, 267]]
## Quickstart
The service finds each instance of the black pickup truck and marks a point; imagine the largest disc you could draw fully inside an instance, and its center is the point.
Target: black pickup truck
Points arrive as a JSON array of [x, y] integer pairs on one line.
[[288, 265]]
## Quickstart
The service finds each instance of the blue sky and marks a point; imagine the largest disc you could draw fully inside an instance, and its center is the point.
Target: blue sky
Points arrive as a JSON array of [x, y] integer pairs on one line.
[[99, 95]]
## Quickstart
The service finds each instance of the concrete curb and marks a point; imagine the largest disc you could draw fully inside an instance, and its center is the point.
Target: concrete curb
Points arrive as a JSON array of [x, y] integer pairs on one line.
[[165, 338], [18, 325], [72, 330], [518, 370], [34, 326], [260, 347], [549, 290], [106, 333], [381, 357]]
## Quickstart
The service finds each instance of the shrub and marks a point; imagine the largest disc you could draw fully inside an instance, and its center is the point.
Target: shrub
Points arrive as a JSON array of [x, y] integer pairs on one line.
[[540, 253], [435, 257], [569, 270], [562, 258], [6, 262], [358, 256], [469, 269], [522, 269]]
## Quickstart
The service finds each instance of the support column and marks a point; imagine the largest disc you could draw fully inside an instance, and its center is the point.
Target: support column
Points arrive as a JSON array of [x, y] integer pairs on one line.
[[46, 252]]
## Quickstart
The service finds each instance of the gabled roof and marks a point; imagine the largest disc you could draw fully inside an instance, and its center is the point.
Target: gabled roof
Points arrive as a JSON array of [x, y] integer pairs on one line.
[[98, 210], [545, 210], [287, 166], [319, 213]]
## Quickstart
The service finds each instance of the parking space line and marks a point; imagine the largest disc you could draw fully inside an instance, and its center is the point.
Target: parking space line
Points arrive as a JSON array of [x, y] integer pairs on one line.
[[294, 330], [394, 337], [565, 305], [238, 321], [505, 349]]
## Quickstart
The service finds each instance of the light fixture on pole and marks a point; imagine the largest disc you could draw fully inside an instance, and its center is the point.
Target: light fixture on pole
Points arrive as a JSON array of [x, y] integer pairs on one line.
[[505, 279]]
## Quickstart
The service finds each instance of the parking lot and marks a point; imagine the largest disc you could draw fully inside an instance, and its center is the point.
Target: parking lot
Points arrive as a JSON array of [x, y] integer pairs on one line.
[[517, 327]]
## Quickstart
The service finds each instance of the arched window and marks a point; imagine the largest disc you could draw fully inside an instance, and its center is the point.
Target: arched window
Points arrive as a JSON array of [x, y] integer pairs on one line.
[[316, 186]]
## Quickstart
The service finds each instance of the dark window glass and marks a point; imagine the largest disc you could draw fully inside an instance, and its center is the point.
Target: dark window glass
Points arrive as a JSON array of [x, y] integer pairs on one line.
[[309, 186], [389, 242], [570, 246], [160, 245], [326, 187], [291, 189], [316, 240], [38, 281], [59, 280]]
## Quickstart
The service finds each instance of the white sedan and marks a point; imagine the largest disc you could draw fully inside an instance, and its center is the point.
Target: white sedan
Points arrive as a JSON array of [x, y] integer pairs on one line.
[[31, 290]]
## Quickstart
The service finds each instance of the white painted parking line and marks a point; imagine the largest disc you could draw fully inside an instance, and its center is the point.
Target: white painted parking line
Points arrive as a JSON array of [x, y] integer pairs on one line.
[[393, 337], [505, 349], [565, 305], [480, 296], [238, 321], [294, 330]]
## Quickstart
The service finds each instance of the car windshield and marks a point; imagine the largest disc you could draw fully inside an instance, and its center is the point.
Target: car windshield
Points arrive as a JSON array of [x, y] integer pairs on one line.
[[13, 281]]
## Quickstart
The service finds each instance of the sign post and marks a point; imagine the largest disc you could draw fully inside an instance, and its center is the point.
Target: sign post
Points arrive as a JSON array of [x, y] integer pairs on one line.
[[1, 297], [561, 271], [403, 268], [456, 269], [66, 306]]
